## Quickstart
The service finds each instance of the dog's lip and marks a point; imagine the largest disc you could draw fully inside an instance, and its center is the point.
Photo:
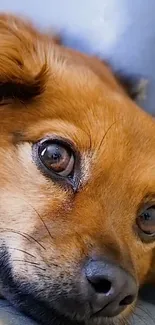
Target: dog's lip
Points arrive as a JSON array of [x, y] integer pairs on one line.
[[103, 312]]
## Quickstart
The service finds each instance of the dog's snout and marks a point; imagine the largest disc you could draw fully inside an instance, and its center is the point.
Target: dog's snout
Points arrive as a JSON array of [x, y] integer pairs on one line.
[[110, 287]]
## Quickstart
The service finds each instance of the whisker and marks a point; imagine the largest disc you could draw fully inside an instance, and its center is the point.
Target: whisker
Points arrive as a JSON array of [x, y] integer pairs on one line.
[[37, 213], [31, 263], [88, 133], [124, 321], [23, 234], [105, 134], [146, 312], [21, 250], [139, 317], [43, 222]]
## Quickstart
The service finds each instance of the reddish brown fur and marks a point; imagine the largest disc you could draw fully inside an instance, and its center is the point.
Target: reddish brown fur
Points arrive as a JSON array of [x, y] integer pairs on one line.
[[76, 97]]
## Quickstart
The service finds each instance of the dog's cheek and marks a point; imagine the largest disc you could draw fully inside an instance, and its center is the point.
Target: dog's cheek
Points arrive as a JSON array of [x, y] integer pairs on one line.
[[142, 262], [150, 277], [26, 199]]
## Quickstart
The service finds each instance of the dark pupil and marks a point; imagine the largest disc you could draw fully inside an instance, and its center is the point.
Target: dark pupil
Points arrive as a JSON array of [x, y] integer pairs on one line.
[[52, 154], [148, 221], [55, 157], [146, 216], [149, 215]]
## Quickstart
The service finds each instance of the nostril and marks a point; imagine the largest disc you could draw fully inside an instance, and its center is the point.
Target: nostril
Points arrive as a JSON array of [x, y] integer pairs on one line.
[[101, 285], [128, 300]]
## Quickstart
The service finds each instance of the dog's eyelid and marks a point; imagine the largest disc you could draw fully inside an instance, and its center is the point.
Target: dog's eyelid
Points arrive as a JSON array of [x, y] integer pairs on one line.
[[149, 197], [147, 201]]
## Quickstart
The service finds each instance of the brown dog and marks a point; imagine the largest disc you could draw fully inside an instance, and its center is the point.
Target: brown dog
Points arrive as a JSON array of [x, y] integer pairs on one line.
[[77, 183]]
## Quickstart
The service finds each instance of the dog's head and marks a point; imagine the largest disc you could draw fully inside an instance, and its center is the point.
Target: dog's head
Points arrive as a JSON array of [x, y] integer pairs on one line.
[[77, 183]]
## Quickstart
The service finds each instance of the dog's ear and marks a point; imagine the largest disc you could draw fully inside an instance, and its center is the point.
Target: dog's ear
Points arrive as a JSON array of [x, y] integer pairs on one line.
[[135, 86], [22, 73]]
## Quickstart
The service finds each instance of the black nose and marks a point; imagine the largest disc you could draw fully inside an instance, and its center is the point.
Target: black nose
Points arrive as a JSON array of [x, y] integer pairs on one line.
[[111, 289]]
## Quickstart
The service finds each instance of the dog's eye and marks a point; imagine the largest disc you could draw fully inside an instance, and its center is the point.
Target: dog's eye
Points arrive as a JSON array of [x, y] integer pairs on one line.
[[57, 158], [146, 222]]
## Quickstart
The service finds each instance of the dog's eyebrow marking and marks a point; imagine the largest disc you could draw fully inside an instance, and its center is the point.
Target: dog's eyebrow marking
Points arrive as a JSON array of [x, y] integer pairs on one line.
[[23, 87]]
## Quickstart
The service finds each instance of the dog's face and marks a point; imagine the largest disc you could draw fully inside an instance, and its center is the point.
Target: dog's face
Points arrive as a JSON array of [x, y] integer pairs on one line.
[[77, 184]]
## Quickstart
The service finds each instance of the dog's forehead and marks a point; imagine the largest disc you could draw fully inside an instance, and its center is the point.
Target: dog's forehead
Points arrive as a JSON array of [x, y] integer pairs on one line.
[[96, 109], [77, 104], [103, 121]]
